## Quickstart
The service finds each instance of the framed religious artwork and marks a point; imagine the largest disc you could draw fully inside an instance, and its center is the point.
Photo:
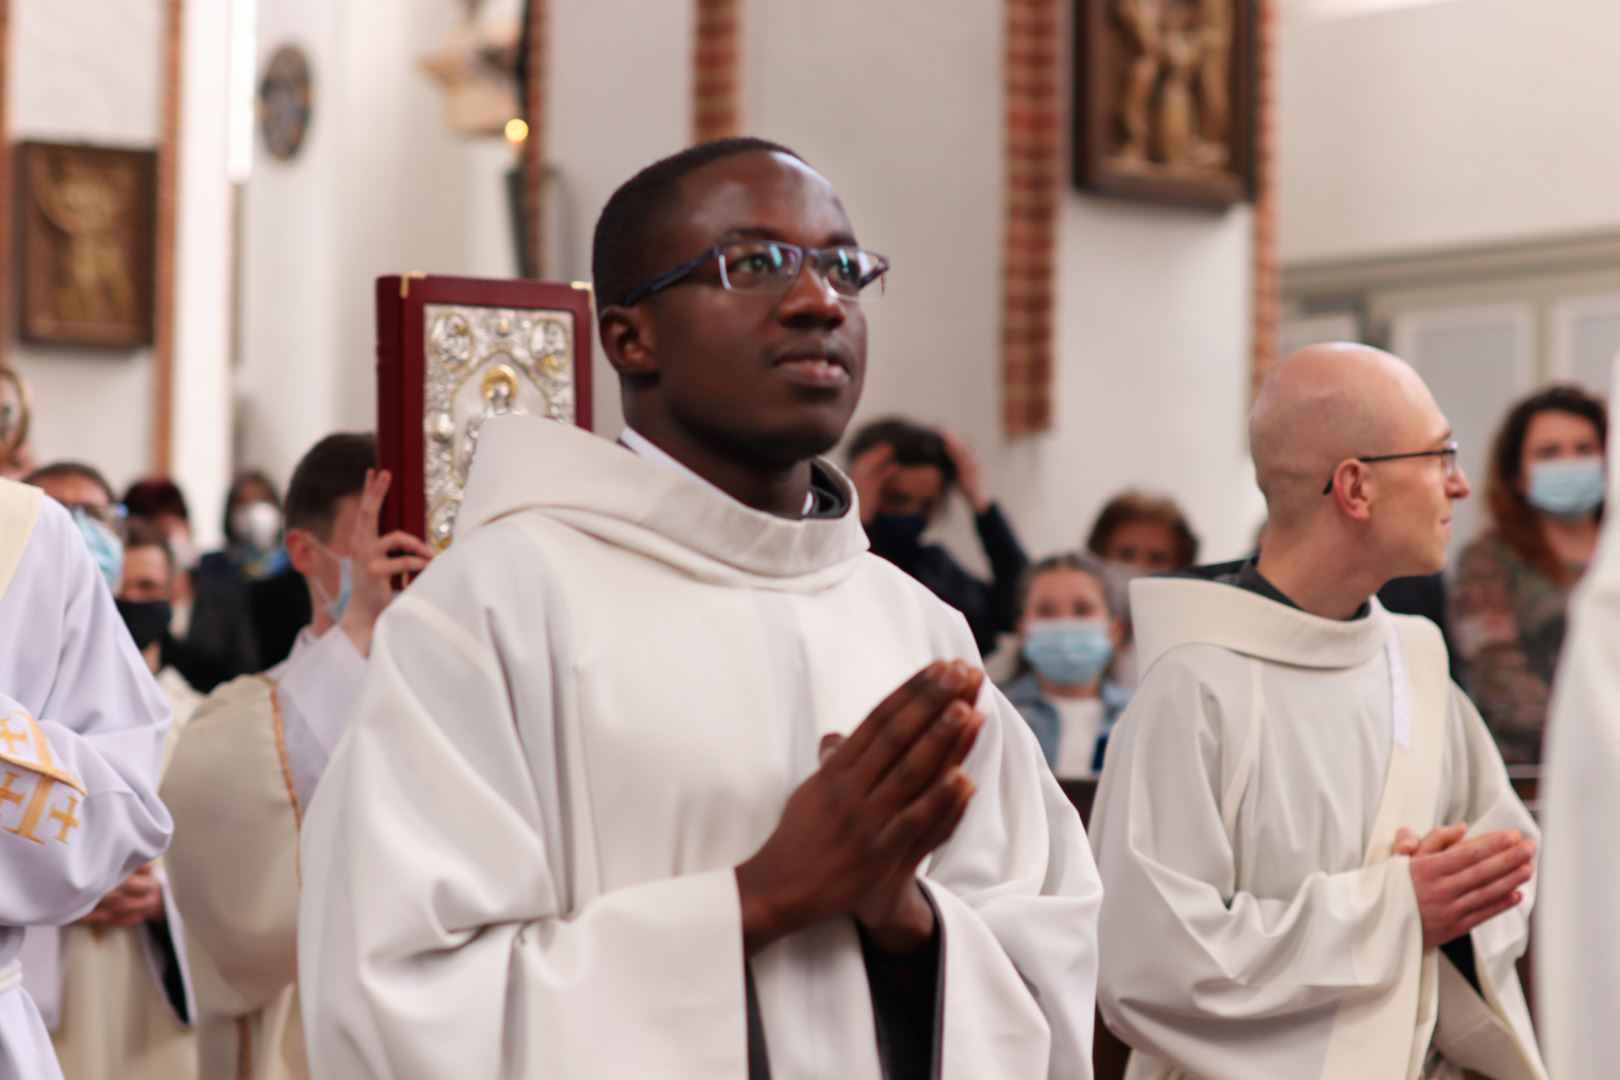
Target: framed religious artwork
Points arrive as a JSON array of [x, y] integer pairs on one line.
[[87, 223], [452, 353], [1165, 99]]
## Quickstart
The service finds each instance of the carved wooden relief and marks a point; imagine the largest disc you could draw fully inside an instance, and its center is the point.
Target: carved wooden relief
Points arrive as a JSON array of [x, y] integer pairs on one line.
[[1165, 99]]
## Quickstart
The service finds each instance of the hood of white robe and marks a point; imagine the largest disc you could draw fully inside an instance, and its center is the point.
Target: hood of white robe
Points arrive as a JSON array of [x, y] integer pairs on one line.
[[601, 488], [1190, 610], [1606, 563]]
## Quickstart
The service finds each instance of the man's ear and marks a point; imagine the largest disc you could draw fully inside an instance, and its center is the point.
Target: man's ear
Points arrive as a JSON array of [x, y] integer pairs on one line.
[[1116, 632], [627, 339], [300, 552], [1352, 490]]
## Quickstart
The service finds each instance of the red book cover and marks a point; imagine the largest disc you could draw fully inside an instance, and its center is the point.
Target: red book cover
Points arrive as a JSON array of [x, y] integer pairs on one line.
[[452, 352]]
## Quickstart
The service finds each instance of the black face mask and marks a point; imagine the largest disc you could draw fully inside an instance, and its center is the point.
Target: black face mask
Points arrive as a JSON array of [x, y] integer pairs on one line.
[[148, 620], [896, 536]]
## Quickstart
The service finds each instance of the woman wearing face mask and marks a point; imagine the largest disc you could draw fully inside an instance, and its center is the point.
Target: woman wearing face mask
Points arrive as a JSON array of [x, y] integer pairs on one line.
[[1137, 534], [1067, 636], [221, 635], [1544, 492], [253, 529]]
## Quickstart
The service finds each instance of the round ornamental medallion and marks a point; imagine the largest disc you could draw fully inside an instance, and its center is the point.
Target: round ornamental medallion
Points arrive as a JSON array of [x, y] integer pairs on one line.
[[285, 99]]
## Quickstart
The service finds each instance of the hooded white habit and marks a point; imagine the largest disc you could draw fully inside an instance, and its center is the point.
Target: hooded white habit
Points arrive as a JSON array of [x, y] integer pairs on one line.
[[1256, 925], [1577, 930], [576, 723]]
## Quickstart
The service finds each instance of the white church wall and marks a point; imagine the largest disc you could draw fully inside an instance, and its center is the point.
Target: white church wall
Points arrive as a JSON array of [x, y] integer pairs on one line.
[[291, 249], [618, 97], [1153, 388], [1447, 125], [72, 79], [903, 110], [900, 107], [381, 186], [201, 424]]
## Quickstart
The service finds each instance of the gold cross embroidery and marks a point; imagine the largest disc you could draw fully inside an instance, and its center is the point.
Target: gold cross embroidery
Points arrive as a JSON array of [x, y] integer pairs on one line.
[[9, 737], [9, 794], [67, 819], [35, 810]]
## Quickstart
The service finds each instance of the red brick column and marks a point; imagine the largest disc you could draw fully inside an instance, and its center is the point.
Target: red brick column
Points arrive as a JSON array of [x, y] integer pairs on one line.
[[715, 69], [534, 113], [164, 298], [1033, 141], [6, 210], [1267, 270]]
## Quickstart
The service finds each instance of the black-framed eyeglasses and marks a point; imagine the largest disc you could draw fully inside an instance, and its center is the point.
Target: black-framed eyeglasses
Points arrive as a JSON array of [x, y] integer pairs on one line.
[[772, 266], [1447, 454]]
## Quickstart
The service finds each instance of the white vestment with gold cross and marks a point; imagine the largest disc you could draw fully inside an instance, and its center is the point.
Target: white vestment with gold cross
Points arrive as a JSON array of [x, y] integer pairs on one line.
[[82, 726]]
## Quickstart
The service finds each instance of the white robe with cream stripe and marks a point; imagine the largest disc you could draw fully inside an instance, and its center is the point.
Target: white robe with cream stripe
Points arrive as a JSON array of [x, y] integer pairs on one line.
[[576, 723], [1578, 920], [1256, 926], [243, 771], [82, 726]]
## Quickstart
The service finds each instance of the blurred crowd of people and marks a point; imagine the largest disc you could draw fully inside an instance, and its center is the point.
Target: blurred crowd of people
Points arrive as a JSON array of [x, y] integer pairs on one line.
[[1057, 630], [211, 616]]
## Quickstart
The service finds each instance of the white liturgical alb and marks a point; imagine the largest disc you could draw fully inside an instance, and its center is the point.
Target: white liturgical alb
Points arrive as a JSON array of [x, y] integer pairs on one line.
[[576, 723]]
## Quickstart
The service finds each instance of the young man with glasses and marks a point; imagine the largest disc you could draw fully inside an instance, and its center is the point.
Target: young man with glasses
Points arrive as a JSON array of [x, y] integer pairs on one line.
[[1307, 835], [658, 772]]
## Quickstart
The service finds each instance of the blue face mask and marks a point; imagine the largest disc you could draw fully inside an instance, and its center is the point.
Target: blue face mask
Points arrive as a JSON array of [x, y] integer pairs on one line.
[[1570, 487], [1068, 652], [105, 547], [335, 606]]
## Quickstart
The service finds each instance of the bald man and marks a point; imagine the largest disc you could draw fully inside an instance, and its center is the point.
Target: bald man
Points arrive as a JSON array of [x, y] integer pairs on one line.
[[1313, 863]]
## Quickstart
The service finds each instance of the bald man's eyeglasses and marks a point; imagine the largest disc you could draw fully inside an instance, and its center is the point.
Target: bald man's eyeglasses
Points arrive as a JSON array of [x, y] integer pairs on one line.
[[1447, 454], [771, 267]]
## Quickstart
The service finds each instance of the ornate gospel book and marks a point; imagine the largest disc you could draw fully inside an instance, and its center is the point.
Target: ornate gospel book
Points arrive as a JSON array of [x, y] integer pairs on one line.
[[453, 352]]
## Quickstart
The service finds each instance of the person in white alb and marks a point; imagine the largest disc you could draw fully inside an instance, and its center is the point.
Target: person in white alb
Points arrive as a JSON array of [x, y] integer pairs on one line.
[[82, 726], [1577, 934], [249, 762], [1315, 864], [658, 772], [112, 987]]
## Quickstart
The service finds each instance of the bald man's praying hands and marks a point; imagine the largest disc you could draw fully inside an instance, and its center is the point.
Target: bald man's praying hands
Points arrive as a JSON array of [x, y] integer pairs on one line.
[[1303, 826]]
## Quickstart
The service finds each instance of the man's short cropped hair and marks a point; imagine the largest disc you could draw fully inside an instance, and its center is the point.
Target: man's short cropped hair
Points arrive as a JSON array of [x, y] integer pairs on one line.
[[334, 468], [620, 249], [61, 470], [913, 444], [142, 532], [156, 496]]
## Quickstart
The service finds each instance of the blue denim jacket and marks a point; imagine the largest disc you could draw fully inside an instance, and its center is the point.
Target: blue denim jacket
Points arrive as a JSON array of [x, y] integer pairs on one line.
[[1042, 716]]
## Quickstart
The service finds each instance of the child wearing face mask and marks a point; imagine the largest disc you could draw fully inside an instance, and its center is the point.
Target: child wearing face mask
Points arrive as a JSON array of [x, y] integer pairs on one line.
[[1067, 636], [1544, 491]]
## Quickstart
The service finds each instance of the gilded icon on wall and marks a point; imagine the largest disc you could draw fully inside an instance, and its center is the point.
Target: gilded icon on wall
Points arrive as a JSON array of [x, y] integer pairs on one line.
[[1164, 99], [88, 221]]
